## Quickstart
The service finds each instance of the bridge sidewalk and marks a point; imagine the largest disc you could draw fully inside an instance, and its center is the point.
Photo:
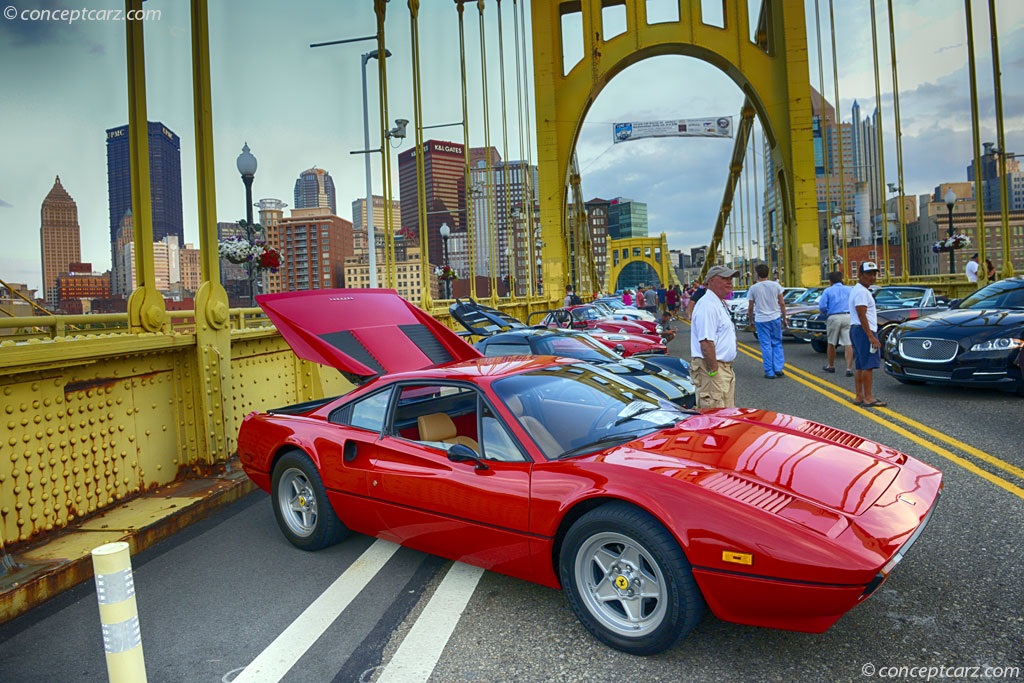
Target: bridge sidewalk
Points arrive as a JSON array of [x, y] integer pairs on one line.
[[32, 575]]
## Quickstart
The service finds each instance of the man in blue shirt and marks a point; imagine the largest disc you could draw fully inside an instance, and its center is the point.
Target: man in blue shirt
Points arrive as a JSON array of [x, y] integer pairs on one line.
[[834, 304]]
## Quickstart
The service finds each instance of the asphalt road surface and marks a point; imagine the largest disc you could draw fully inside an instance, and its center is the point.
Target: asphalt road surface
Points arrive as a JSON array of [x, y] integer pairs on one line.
[[230, 600]]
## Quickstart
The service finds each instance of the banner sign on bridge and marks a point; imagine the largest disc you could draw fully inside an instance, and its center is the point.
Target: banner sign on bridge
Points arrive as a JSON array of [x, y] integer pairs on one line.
[[719, 127]]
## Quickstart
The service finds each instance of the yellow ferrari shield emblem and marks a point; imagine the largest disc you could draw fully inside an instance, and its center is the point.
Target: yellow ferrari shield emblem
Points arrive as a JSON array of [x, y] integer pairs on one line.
[[621, 582]]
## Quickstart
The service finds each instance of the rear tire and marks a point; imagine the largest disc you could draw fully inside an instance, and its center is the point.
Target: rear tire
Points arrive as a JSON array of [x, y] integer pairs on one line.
[[628, 581], [301, 507]]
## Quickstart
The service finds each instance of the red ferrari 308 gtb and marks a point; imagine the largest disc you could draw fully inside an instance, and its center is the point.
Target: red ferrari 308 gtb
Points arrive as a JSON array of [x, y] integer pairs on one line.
[[556, 472]]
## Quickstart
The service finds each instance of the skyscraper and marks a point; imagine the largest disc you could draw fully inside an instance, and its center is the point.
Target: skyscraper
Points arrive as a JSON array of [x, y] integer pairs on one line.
[[164, 181], [59, 237], [315, 188], [444, 185]]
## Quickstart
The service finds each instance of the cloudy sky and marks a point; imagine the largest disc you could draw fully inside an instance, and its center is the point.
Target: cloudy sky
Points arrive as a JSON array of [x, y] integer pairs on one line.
[[64, 85]]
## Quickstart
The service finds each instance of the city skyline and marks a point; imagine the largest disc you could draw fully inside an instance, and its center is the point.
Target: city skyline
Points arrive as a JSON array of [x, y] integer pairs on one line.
[[258, 93]]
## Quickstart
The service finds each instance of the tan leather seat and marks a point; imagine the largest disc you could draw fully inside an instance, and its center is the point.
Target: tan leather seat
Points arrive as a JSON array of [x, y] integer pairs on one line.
[[547, 443], [439, 427]]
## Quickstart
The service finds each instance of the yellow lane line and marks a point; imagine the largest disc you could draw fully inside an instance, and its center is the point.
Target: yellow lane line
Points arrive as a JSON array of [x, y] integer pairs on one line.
[[872, 413]]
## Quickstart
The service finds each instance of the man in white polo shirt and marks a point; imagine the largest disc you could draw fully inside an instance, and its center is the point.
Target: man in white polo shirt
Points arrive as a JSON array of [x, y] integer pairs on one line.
[[863, 326], [713, 342]]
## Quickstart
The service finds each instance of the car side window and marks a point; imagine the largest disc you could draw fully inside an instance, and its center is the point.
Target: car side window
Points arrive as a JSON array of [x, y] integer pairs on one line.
[[495, 441], [366, 413]]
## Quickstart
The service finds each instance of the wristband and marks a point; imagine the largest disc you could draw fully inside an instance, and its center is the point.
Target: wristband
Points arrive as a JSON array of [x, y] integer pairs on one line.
[[712, 373]]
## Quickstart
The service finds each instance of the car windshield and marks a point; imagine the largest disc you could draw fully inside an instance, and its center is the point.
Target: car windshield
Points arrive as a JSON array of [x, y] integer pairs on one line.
[[613, 304], [574, 409], [792, 295], [900, 297], [1002, 294], [585, 313], [809, 297], [574, 346]]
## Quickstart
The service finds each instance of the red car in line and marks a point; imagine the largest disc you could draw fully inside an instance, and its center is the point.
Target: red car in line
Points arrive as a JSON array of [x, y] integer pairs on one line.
[[555, 472]]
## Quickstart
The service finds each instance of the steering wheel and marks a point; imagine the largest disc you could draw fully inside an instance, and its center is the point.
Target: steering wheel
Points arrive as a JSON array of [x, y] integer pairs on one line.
[[606, 414]]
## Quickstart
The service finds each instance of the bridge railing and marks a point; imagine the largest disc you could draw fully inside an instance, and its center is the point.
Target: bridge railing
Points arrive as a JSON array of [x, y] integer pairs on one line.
[[94, 414]]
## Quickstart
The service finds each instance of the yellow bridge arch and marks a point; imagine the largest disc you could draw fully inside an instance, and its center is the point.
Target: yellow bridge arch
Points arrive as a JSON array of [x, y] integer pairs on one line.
[[650, 250], [771, 69]]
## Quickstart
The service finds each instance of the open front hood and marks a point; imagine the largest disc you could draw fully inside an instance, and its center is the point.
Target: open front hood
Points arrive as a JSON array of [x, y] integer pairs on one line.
[[364, 332]]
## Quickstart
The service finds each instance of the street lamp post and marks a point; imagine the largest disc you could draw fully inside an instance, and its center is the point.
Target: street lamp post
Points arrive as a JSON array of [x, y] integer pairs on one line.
[[371, 237], [511, 278], [246, 164], [950, 202], [446, 232]]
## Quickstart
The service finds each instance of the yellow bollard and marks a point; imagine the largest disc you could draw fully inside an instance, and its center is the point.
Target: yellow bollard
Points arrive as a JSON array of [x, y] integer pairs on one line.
[[119, 615]]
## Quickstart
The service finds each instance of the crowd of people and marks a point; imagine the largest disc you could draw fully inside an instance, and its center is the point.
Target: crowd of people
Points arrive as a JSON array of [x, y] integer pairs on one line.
[[851, 323]]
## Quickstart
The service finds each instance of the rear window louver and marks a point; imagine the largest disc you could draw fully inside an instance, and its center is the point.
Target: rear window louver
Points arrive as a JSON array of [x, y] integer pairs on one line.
[[347, 343], [425, 340], [746, 492]]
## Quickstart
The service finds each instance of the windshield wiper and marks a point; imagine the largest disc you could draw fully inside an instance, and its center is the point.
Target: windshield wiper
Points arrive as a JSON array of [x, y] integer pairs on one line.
[[603, 442], [632, 414]]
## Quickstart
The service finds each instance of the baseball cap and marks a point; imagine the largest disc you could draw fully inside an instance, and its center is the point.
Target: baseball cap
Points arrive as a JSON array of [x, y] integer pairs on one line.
[[868, 267], [721, 271]]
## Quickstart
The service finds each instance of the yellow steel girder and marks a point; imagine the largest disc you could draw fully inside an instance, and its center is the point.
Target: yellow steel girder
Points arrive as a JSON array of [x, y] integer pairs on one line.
[[650, 250], [772, 72]]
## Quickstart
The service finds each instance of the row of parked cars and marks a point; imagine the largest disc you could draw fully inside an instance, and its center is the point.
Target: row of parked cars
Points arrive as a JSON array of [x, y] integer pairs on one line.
[[927, 338]]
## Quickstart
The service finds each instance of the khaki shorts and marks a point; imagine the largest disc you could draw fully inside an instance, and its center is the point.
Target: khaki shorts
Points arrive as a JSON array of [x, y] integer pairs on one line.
[[714, 392], [837, 329]]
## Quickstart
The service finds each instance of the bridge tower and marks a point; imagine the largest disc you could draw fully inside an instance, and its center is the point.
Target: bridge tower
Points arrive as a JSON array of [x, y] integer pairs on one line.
[[770, 68]]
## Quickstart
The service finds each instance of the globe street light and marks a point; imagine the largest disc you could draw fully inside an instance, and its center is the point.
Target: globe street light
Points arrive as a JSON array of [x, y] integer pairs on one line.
[[446, 232], [950, 201], [371, 237], [246, 164]]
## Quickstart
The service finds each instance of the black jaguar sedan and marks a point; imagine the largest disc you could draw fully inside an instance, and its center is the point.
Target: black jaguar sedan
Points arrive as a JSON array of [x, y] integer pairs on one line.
[[976, 342]]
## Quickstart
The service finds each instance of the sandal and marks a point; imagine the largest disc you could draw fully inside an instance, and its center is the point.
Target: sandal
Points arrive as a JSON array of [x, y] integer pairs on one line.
[[859, 404], [877, 403]]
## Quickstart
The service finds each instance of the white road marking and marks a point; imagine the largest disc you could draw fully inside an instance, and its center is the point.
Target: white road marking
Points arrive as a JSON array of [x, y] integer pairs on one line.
[[272, 664], [417, 656]]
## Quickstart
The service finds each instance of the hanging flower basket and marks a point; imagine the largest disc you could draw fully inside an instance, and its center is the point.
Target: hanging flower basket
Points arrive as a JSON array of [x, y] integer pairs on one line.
[[957, 241], [446, 273], [239, 250]]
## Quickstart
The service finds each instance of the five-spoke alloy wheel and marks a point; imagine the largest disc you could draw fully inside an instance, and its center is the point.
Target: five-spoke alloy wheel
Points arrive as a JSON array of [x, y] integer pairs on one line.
[[628, 580], [300, 504]]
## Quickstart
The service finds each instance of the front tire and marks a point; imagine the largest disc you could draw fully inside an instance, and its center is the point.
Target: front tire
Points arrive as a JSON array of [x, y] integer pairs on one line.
[[301, 507], [819, 344], [628, 581]]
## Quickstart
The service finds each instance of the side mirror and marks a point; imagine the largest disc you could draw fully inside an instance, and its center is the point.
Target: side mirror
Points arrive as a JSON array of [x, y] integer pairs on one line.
[[461, 453], [955, 303]]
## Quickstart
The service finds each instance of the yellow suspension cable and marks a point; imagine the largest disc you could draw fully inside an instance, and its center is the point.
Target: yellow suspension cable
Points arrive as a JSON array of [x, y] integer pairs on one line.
[[1004, 198], [881, 150], [528, 190], [979, 205], [510, 256], [904, 251], [390, 276], [426, 300], [839, 131], [524, 170], [489, 167], [469, 193]]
